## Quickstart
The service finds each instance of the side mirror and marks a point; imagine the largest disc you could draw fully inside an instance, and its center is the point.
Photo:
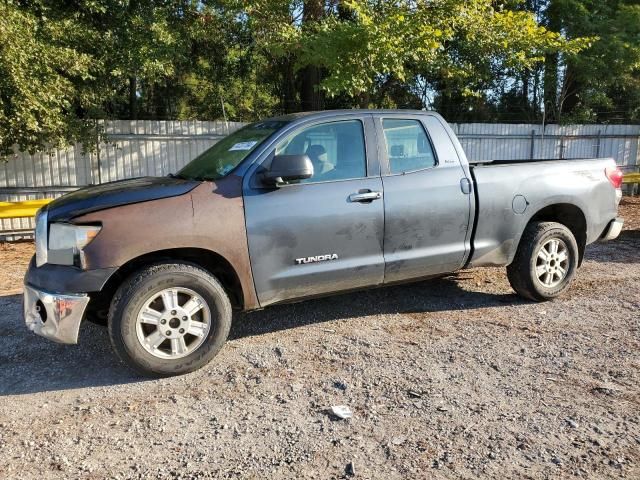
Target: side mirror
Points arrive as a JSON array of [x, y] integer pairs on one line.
[[288, 168]]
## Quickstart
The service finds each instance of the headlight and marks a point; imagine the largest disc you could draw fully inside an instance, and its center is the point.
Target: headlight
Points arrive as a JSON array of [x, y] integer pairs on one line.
[[41, 236], [66, 242]]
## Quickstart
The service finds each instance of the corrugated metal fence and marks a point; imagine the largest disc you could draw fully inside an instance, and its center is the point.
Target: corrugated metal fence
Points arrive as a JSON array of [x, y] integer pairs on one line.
[[137, 148], [134, 148], [483, 141]]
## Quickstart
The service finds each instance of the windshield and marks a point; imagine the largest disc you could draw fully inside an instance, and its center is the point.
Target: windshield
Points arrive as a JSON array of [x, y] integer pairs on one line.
[[224, 156]]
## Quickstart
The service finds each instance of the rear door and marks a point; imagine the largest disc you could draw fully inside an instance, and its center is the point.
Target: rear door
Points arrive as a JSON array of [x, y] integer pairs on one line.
[[427, 202], [323, 234]]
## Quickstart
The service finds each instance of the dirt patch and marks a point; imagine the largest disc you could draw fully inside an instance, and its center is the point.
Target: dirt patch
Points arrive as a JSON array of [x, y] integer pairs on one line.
[[14, 258], [630, 211]]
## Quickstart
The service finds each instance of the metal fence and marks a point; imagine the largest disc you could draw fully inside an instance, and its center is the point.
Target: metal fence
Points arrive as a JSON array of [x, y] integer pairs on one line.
[[137, 148], [483, 141], [133, 149]]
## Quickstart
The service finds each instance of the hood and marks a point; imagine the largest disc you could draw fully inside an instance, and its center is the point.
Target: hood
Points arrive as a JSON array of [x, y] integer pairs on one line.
[[114, 194]]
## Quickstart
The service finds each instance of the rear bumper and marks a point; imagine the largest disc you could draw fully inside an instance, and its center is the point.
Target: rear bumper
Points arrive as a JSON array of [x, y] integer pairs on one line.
[[613, 230], [54, 316]]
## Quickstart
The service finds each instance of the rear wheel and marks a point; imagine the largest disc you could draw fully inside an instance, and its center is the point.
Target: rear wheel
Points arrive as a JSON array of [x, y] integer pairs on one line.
[[545, 263], [169, 319]]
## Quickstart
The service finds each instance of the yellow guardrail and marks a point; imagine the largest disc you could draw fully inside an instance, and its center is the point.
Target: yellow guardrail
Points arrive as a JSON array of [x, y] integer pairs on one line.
[[631, 178], [28, 208]]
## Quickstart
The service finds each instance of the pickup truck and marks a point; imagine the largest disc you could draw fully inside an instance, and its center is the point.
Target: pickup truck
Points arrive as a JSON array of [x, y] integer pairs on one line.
[[297, 207]]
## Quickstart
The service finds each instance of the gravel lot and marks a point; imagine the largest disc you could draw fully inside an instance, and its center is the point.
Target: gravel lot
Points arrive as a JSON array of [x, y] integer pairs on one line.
[[451, 378]]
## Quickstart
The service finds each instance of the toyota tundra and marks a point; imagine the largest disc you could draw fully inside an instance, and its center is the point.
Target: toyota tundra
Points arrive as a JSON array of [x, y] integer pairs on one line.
[[297, 207]]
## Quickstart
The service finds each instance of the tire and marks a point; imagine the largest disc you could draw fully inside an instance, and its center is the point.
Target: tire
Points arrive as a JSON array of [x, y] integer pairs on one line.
[[538, 275], [166, 293]]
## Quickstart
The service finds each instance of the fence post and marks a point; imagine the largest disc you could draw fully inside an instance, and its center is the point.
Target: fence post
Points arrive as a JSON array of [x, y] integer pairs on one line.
[[562, 147], [533, 145], [99, 164], [98, 160], [598, 144]]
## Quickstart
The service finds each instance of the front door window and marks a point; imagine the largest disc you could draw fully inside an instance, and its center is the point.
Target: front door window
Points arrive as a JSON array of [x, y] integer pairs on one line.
[[336, 150]]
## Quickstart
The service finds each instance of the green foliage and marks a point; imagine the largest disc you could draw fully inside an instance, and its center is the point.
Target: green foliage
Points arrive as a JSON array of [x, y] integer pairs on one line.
[[224, 69], [451, 39], [39, 75], [603, 81], [65, 64]]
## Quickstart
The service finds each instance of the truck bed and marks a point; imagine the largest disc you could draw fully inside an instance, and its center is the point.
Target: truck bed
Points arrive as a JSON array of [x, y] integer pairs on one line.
[[509, 193]]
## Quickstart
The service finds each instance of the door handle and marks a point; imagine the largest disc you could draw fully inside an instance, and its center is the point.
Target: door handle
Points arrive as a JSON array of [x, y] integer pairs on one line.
[[365, 196]]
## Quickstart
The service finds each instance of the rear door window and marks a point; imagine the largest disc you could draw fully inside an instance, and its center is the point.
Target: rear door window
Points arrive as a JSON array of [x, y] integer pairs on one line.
[[408, 146]]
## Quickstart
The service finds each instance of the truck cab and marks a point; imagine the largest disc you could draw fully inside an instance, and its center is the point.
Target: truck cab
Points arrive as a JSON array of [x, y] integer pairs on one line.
[[386, 203]]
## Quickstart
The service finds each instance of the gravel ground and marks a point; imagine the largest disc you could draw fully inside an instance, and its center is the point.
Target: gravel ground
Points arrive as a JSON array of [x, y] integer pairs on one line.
[[451, 378]]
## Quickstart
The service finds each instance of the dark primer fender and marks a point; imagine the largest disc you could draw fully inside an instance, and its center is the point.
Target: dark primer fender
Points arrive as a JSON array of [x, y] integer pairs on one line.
[[209, 217], [113, 194]]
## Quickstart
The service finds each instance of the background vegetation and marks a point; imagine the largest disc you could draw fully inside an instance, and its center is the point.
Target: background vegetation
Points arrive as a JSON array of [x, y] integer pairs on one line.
[[64, 64]]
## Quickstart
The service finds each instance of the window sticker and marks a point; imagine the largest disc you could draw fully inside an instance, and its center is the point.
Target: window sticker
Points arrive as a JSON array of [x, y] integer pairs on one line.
[[243, 146], [225, 169]]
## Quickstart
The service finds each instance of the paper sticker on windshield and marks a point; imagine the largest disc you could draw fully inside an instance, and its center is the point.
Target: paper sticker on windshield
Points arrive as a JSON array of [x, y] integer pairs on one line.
[[226, 169], [243, 146]]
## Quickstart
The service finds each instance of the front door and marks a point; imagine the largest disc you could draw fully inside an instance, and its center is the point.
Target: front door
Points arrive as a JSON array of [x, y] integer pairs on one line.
[[426, 210], [323, 234]]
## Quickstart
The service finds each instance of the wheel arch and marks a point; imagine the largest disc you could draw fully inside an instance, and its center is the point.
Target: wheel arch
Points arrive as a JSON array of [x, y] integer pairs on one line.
[[569, 215], [210, 261]]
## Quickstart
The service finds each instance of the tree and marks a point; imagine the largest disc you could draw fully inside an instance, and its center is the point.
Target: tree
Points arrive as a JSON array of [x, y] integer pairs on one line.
[[139, 45], [224, 68], [458, 47], [602, 82], [39, 77], [64, 64]]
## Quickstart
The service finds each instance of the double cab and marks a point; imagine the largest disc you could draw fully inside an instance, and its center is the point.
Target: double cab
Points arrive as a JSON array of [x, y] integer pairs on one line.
[[297, 207]]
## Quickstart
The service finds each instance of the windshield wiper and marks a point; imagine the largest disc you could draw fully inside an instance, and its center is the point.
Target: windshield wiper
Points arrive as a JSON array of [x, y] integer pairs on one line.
[[178, 175]]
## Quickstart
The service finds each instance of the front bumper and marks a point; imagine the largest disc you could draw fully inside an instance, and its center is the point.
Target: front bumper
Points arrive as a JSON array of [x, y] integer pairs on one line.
[[67, 279], [53, 315], [613, 230]]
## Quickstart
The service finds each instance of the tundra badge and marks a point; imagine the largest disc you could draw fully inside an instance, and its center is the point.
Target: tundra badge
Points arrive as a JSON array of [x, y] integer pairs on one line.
[[317, 258]]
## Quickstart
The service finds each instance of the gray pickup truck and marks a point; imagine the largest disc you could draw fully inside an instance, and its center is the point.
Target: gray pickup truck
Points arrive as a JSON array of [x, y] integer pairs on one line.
[[297, 207]]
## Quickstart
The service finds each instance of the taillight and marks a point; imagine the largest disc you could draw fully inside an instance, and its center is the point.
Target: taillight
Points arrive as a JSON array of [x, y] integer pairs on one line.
[[614, 174]]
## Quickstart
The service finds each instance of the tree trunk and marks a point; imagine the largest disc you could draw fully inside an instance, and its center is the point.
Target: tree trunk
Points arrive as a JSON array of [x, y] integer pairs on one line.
[[536, 87], [133, 99], [551, 86], [290, 104], [364, 99], [551, 65], [526, 79], [311, 98], [571, 90]]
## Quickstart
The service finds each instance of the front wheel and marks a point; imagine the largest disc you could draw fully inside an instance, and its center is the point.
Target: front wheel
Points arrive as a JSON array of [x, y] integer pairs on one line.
[[169, 319], [545, 263]]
